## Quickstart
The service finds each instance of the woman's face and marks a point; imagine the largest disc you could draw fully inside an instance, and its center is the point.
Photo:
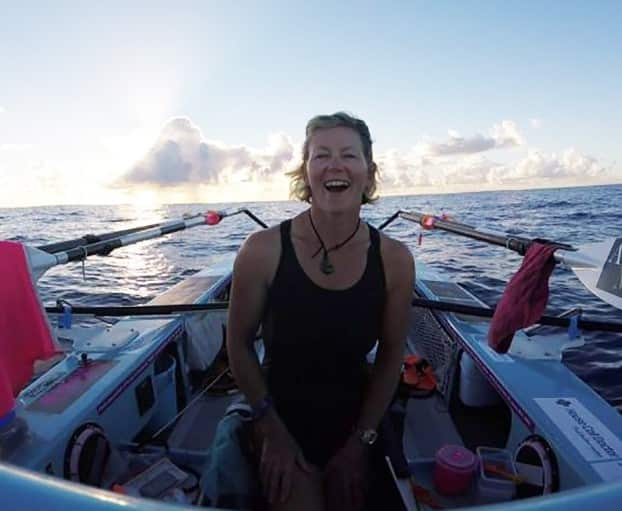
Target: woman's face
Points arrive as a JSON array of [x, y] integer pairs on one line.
[[337, 170]]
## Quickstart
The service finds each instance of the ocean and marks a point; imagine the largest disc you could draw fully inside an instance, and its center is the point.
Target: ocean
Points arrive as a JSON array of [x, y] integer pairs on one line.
[[136, 274]]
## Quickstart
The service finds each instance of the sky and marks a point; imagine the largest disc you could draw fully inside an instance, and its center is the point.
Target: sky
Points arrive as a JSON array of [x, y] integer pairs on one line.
[[207, 101]]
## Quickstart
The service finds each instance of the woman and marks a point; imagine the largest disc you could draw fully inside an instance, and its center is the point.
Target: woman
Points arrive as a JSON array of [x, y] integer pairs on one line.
[[325, 288]]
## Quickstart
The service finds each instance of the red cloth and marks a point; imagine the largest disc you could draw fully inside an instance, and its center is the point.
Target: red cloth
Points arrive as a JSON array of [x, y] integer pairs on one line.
[[25, 334], [524, 298]]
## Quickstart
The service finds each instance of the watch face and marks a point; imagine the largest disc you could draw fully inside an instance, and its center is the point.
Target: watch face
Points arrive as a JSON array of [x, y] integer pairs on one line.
[[368, 436]]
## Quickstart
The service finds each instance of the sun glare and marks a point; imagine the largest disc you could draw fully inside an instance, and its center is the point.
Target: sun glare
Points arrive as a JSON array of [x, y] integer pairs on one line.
[[144, 200]]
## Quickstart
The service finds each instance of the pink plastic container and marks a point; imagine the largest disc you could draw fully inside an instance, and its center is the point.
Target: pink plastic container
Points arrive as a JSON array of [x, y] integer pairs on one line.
[[454, 469]]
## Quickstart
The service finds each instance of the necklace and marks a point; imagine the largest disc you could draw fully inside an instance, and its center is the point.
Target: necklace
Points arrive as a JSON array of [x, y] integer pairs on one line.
[[325, 265]]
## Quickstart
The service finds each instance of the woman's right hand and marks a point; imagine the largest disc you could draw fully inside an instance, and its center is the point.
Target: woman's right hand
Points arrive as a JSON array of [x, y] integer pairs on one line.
[[280, 454]]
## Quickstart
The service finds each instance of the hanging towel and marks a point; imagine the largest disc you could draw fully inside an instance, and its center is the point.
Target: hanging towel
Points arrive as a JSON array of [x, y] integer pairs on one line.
[[524, 298], [25, 334]]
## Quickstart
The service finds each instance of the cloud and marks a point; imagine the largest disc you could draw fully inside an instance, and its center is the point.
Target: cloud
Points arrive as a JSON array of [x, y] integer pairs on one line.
[[182, 156], [569, 164], [473, 170], [183, 159], [537, 167], [535, 122], [2, 109], [401, 173], [399, 170], [461, 162], [501, 135]]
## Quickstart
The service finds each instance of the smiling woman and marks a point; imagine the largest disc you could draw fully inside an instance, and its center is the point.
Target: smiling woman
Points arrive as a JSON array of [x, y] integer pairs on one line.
[[319, 322], [299, 186]]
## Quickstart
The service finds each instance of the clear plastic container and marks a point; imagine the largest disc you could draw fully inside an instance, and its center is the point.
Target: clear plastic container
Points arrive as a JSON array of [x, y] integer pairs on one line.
[[497, 476]]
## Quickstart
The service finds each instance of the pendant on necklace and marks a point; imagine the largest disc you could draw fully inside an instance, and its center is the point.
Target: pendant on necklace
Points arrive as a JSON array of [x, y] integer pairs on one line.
[[326, 266]]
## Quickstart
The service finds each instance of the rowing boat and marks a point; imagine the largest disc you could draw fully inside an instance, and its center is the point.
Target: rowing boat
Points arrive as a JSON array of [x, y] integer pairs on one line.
[[127, 415]]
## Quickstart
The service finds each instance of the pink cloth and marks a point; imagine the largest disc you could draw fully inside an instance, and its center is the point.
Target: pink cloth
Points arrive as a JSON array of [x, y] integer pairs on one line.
[[25, 334], [524, 298]]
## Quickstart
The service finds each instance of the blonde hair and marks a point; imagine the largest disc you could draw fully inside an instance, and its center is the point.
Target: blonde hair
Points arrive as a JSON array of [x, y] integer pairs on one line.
[[298, 187]]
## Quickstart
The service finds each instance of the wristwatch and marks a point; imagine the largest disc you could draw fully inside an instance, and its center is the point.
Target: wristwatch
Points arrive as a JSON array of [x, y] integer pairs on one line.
[[367, 436]]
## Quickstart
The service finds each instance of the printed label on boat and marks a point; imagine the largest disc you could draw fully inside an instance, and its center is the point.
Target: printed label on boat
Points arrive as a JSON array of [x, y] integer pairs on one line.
[[609, 470], [593, 440]]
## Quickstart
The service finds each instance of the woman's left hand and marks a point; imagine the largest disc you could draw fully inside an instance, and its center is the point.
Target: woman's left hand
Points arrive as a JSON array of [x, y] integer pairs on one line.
[[346, 476]]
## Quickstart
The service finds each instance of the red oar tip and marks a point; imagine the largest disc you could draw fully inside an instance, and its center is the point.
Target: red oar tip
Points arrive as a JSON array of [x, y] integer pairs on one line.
[[212, 218], [427, 221]]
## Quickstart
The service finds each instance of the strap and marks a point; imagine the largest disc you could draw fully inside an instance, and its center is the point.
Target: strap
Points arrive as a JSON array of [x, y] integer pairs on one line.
[[286, 238], [374, 237]]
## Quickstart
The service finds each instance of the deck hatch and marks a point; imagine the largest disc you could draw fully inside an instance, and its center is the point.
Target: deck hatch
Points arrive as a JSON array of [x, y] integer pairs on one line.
[[450, 292]]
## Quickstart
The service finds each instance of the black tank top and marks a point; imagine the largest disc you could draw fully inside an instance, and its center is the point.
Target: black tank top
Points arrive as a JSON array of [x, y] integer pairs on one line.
[[316, 342]]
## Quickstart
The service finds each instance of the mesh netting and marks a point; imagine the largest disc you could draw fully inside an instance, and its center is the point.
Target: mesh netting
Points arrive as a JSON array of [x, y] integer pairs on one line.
[[431, 341]]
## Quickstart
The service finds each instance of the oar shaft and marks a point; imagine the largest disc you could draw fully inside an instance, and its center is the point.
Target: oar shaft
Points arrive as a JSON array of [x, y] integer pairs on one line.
[[42, 261], [457, 308], [88, 239], [483, 312], [48, 256], [515, 243], [576, 260], [106, 246], [139, 310], [518, 244]]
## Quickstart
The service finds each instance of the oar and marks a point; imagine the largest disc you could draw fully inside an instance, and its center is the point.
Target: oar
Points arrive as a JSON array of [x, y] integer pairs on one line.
[[41, 261], [597, 265], [89, 239], [458, 308]]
